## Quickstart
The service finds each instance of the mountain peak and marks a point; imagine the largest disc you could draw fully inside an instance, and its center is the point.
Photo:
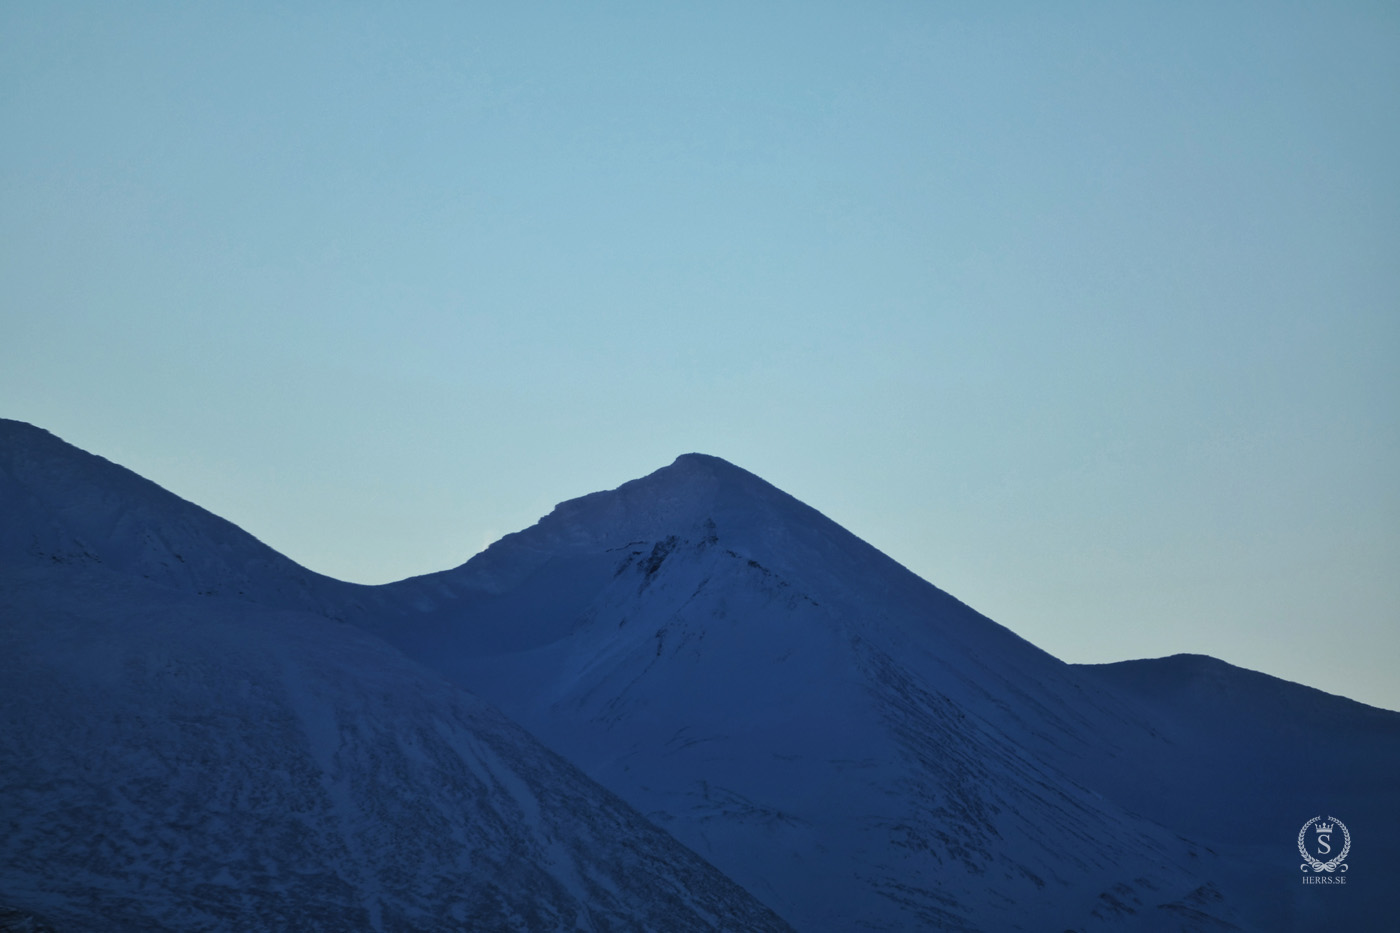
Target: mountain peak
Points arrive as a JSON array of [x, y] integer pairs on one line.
[[695, 503], [703, 480], [699, 464], [693, 490], [699, 459], [699, 473], [696, 496]]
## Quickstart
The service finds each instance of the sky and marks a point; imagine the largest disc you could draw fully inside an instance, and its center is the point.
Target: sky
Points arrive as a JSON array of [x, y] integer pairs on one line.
[[1088, 313]]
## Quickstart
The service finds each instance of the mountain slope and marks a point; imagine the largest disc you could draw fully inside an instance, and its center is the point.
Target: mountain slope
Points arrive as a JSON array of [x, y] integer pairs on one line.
[[172, 762], [192, 739], [1248, 748], [851, 744], [173, 759], [66, 506]]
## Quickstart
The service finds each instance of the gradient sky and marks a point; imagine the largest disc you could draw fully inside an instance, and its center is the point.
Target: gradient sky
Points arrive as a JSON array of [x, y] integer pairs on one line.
[[1087, 313]]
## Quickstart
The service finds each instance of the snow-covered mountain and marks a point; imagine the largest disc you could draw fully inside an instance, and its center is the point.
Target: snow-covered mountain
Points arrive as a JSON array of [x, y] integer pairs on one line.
[[177, 756], [201, 734], [1240, 760], [65, 506], [861, 750]]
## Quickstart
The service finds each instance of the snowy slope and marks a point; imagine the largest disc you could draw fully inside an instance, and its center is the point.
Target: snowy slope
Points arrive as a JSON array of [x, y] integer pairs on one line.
[[1240, 760], [1268, 744], [178, 761], [193, 736], [172, 762], [65, 506], [851, 744]]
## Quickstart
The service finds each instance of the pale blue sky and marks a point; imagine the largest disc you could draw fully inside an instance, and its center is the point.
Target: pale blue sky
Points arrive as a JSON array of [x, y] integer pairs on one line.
[[1088, 313]]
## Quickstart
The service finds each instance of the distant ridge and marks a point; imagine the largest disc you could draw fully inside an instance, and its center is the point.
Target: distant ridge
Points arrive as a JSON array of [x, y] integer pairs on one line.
[[1204, 678]]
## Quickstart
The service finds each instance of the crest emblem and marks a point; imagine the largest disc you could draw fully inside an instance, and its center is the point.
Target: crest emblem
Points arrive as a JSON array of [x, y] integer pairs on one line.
[[1320, 843]]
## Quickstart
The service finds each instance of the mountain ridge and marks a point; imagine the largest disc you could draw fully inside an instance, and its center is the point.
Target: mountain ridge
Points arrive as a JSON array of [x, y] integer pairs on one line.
[[182, 750], [601, 625], [1143, 674], [659, 603], [68, 506], [846, 741]]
